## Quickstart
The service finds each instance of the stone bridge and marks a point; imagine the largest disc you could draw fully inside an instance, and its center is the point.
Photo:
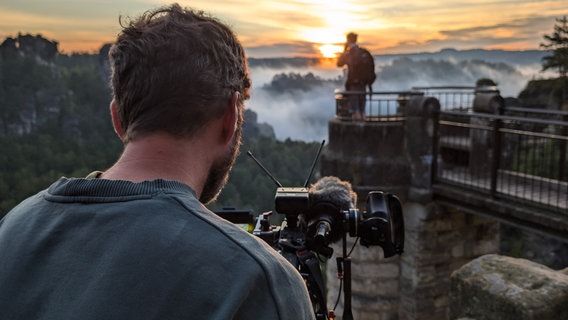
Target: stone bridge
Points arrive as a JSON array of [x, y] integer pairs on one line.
[[462, 164]]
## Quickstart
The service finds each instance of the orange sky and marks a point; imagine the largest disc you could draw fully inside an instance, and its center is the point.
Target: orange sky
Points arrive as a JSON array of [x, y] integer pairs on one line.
[[301, 27]]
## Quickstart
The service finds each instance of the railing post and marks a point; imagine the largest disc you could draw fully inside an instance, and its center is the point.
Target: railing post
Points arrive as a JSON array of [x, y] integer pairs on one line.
[[562, 147], [497, 147], [342, 105], [435, 145], [419, 127]]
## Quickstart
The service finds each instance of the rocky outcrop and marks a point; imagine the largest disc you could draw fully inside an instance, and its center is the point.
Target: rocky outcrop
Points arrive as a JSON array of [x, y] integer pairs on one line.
[[43, 50], [500, 287], [252, 129]]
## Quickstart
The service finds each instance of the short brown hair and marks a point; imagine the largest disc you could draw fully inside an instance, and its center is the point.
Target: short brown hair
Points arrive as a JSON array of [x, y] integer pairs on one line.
[[173, 70], [351, 37]]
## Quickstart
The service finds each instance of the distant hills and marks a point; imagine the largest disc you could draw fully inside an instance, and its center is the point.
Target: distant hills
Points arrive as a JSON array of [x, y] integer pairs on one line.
[[526, 57], [48, 49]]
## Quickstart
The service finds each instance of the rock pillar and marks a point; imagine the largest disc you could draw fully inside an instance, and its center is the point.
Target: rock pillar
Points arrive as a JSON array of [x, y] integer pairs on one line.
[[396, 157]]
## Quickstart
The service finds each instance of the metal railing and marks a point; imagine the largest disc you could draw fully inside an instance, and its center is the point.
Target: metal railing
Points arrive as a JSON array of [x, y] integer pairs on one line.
[[379, 105], [389, 105], [538, 113], [504, 156], [519, 154], [457, 98]]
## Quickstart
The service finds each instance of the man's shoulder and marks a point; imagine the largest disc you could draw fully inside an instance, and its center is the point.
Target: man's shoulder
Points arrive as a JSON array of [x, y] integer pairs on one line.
[[206, 226]]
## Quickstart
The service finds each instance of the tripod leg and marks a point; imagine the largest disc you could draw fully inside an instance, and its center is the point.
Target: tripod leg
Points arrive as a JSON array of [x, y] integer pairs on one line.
[[347, 311]]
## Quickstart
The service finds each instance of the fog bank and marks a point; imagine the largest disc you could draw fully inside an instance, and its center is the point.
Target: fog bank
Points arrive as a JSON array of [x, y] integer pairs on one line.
[[298, 101]]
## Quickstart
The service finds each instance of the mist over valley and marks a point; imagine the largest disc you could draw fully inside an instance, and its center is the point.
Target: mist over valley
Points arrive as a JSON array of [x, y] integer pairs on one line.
[[296, 96]]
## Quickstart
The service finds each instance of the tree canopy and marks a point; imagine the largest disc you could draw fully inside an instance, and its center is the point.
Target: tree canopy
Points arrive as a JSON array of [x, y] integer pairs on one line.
[[557, 42], [54, 122]]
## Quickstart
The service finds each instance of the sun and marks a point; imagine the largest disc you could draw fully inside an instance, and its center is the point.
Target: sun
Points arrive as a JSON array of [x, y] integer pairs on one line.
[[330, 50], [325, 39]]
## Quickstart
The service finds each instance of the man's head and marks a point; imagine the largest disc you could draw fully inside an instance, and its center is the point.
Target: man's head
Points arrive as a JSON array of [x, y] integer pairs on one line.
[[351, 38], [173, 70]]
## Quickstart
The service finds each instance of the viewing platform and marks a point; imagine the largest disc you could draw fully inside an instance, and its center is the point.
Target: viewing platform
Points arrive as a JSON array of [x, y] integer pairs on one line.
[[475, 143], [463, 164]]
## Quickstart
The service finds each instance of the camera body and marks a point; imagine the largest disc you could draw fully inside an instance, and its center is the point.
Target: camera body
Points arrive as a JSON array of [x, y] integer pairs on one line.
[[322, 223], [381, 224]]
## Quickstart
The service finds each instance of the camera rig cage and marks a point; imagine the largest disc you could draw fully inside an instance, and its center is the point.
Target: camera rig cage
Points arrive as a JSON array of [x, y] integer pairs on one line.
[[312, 222]]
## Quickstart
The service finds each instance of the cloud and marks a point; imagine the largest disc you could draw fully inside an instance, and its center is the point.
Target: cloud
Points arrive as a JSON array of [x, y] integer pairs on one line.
[[296, 111], [522, 26], [298, 115], [300, 48], [286, 28], [524, 31]]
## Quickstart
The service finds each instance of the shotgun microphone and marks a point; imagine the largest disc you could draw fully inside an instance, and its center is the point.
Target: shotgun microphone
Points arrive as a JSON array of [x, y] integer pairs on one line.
[[329, 198]]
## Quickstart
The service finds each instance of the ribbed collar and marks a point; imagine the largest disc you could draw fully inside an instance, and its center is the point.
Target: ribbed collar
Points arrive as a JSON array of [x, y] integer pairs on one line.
[[80, 187]]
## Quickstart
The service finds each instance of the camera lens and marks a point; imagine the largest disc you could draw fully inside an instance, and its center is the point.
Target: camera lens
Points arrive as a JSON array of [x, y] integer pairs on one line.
[[352, 217]]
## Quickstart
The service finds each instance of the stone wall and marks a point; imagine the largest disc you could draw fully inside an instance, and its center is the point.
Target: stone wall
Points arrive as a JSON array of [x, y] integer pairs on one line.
[[396, 157], [438, 241], [375, 284], [415, 285], [371, 156]]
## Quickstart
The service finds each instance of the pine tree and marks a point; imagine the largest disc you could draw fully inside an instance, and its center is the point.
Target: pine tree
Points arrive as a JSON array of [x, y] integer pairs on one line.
[[557, 43]]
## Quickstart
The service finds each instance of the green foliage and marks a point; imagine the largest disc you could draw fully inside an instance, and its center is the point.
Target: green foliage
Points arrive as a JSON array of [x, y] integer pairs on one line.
[[544, 93], [54, 122], [542, 158], [282, 82], [558, 59], [21, 78], [558, 43]]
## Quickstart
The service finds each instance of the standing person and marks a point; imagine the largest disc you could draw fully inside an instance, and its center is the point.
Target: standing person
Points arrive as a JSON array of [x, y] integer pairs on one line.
[[136, 241], [360, 73]]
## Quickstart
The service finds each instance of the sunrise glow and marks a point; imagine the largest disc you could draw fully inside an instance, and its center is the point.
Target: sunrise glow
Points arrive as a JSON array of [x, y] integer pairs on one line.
[[314, 28], [330, 50]]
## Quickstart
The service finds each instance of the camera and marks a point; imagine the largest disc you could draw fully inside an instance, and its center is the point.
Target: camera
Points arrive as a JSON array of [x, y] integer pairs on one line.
[[318, 216], [321, 223]]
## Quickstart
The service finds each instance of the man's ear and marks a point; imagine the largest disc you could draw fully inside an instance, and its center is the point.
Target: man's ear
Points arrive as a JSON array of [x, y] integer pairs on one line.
[[115, 120], [230, 118]]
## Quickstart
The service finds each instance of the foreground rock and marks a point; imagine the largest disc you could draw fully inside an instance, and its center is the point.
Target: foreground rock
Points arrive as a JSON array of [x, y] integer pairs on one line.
[[498, 287]]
